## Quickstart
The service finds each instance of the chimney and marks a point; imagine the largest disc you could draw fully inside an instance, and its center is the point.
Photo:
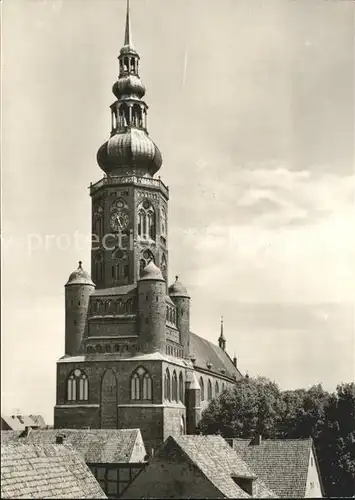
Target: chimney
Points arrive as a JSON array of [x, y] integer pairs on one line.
[[256, 441], [59, 439]]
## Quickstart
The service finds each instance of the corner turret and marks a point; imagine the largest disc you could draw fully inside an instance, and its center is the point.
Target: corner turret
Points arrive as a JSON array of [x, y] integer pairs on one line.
[[152, 308], [78, 289], [181, 299]]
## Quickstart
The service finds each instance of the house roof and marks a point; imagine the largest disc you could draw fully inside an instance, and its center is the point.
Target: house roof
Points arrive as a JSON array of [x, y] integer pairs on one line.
[[217, 461], [204, 352], [45, 471], [20, 422], [281, 463], [94, 445]]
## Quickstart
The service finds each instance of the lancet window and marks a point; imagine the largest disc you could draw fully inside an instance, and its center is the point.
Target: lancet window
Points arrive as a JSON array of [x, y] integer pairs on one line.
[[167, 385], [77, 386], [209, 390], [141, 385], [181, 388], [202, 388], [174, 386], [146, 220]]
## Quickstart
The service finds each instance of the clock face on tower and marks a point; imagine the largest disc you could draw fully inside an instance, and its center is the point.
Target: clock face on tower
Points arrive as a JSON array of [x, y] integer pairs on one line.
[[119, 220]]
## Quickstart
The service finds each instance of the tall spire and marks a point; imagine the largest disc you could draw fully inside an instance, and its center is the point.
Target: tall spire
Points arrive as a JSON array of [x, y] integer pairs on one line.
[[221, 339], [127, 34], [129, 148]]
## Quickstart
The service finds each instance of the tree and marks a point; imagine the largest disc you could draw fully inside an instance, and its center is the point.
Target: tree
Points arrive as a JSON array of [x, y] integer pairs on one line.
[[303, 412], [252, 407], [257, 406], [335, 443]]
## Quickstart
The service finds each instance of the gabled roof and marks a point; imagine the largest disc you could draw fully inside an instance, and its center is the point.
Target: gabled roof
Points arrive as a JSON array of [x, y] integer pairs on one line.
[[281, 463], [20, 422], [210, 456], [45, 471], [204, 352], [94, 445], [217, 461]]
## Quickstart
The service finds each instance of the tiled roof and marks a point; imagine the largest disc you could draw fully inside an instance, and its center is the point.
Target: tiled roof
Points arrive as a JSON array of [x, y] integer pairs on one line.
[[45, 471], [281, 463], [218, 462], [94, 445], [19, 422], [204, 351]]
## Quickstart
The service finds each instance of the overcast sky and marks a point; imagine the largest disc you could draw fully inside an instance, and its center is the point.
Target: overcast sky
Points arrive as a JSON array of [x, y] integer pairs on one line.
[[252, 105]]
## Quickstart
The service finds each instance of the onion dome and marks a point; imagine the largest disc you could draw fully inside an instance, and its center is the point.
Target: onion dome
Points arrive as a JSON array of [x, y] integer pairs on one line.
[[133, 149], [130, 86], [151, 272], [80, 277], [177, 289]]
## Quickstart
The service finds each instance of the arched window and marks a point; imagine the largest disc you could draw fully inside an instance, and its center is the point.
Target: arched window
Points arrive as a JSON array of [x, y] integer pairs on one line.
[[216, 390], [174, 385], [120, 306], [146, 220], [223, 386], [181, 388], [202, 388], [135, 392], [136, 115], [125, 63], [182, 425], [167, 388], [209, 390], [163, 227], [141, 384], [147, 386], [77, 386]]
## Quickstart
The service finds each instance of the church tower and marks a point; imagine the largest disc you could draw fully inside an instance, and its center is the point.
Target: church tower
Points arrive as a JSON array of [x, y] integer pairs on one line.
[[130, 359], [129, 205]]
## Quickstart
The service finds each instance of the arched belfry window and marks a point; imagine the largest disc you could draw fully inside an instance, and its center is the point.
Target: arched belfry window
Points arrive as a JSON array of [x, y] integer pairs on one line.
[[181, 388], [137, 116], [209, 390], [123, 115], [174, 386], [202, 389], [216, 389], [146, 220], [141, 385], [77, 386], [167, 385]]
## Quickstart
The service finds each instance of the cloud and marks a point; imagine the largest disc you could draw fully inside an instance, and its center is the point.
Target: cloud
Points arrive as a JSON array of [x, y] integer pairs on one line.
[[287, 236]]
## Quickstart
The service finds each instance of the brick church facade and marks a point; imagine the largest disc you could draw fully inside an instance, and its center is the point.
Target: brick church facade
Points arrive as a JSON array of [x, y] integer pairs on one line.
[[130, 359]]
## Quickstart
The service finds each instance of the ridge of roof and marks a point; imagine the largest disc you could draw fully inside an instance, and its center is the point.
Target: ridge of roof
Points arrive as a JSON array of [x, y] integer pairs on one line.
[[206, 351], [94, 445]]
